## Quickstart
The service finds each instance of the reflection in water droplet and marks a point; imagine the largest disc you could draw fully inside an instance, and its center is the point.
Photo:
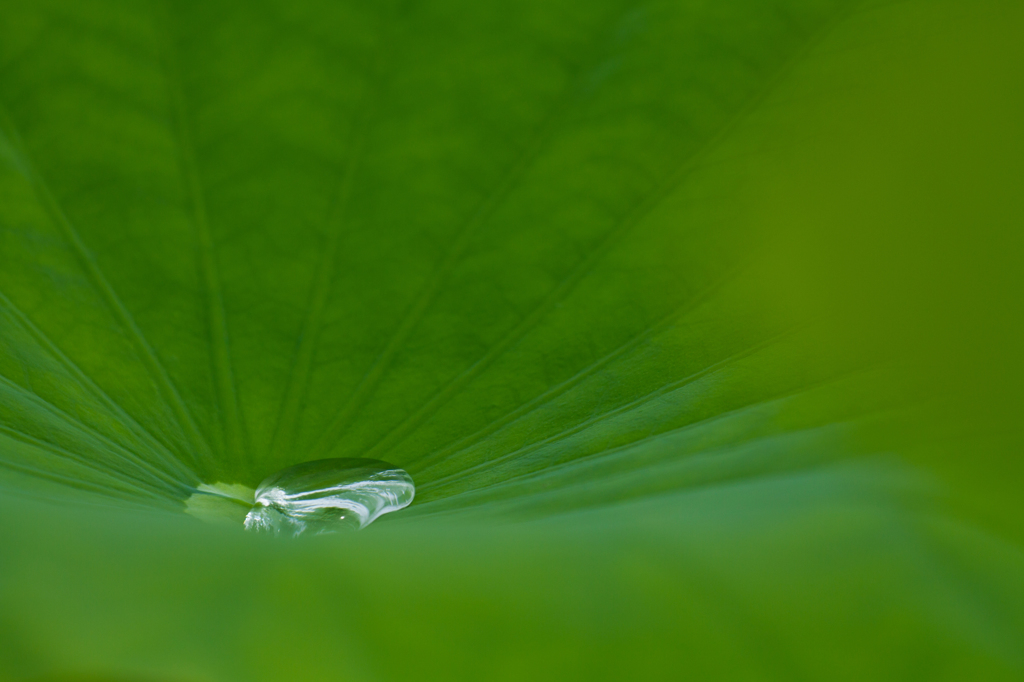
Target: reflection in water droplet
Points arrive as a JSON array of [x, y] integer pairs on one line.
[[221, 503], [329, 495]]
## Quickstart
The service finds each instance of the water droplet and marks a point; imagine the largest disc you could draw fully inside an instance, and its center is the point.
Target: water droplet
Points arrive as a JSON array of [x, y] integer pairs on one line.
[[329, 495]]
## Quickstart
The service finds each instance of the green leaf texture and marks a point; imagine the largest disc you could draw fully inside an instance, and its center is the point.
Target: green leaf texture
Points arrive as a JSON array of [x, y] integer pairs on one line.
[[696, 323]]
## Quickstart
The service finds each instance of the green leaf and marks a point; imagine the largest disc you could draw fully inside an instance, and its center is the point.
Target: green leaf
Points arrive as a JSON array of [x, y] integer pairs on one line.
[[696, 323]]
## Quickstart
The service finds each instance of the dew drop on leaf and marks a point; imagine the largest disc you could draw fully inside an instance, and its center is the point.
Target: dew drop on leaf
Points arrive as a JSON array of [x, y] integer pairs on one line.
[[328, 495]]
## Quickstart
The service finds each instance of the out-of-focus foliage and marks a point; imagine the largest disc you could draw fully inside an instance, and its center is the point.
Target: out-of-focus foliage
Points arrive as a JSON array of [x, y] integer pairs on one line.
[[696, 323]]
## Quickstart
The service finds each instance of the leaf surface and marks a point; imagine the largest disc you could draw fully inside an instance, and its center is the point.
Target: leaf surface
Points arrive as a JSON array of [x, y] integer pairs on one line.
[[601, 265]]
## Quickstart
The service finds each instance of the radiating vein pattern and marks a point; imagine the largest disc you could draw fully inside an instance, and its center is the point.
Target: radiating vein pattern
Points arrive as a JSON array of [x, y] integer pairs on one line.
[[501, 247]]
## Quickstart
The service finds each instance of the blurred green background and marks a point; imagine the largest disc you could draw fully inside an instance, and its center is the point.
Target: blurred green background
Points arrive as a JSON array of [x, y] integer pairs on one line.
[[698, 325]]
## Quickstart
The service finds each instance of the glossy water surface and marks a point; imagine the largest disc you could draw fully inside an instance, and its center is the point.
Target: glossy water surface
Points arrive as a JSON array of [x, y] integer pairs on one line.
[[329, 495]]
